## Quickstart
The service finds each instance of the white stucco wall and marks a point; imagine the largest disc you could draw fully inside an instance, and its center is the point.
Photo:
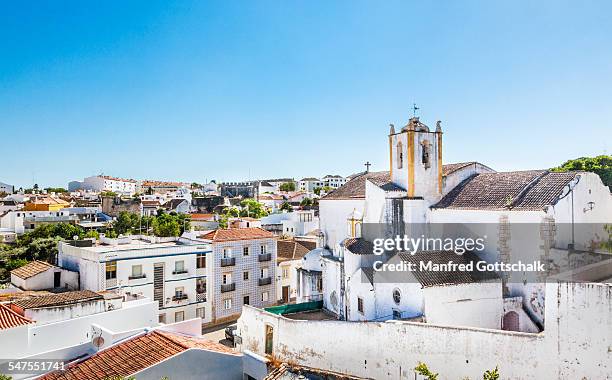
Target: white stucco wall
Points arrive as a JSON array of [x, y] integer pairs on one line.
[[575, 344]]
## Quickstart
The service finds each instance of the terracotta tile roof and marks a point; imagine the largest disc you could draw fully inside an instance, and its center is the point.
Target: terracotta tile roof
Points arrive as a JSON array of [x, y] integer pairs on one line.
[[152, 183], [151, 203], [523, 190], [31, 269], [355, 188], [437, 278], [290, 250], [233, 234], [58, 299], [47, 200], [9, 319], [202, 216], [134, 355], [359, 246], [117, 179]]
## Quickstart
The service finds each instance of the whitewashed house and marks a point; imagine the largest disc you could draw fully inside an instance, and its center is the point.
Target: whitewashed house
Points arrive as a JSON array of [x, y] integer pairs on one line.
[[309, 184], [6, 188], [40, 275], [289, 257], [334, 181]]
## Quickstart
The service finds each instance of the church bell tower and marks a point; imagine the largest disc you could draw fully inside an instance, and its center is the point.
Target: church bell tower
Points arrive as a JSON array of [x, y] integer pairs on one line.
[[415, 159]]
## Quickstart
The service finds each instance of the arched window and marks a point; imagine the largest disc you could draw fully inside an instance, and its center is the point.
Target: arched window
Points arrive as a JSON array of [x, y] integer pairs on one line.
[[399, 155], [425, 154]]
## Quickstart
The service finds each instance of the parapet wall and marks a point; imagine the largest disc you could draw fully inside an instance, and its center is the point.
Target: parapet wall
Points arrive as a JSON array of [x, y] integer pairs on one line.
[[577, 342]]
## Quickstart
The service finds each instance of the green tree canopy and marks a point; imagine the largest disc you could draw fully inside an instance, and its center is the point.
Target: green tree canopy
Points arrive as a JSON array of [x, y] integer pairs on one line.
[[306, 202], [601, 165], [287, 186], [166, 225], [250, 207], [286, 206]]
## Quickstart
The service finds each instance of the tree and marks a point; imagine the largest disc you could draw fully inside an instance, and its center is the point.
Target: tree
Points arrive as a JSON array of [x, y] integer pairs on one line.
[[55, 190], [325, 189], [287, 186], [306, 202], [166, 225], [126, 223], [108, 194], [491, 375], [286, 207], [600, 165], [423, 370], [250, 207]]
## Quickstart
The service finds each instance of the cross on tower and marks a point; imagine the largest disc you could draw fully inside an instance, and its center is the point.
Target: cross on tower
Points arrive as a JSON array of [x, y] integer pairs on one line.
[[367, 165], [414, 109]]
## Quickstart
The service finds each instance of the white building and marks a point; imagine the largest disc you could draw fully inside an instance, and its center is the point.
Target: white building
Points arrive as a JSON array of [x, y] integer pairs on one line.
[[21, 221], [242, 270], [6, 188], [102, 183], [40, 275], [295, 223], [173, 272], [419, 191], [334, 181], [309, 184], [289, 256]]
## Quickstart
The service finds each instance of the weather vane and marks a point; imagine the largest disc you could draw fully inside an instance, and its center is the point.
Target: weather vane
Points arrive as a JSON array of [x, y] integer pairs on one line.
[[414, 109]]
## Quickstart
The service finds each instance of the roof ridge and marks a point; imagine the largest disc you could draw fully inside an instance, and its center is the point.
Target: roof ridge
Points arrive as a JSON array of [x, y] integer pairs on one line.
[[521, 195]]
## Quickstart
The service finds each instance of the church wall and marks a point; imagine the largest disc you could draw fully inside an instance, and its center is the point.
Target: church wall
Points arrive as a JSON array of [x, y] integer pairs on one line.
[[411, 301], [331, 283], [474, 305], [571, 347], [333, 219]]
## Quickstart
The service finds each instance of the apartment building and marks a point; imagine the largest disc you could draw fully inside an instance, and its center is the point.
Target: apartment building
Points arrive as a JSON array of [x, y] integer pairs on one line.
[[101, 183], [171, 271], [334, 181], [243, 270]]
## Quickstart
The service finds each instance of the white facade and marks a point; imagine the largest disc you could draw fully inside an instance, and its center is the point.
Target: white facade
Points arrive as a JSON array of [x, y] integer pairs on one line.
[[102, 183], [309, 184], [54, 277], [173, 273], [575, 344], [6, 188], [334, 181]]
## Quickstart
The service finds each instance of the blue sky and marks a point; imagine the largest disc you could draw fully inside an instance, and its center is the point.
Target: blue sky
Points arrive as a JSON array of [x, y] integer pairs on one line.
[[235, 90]]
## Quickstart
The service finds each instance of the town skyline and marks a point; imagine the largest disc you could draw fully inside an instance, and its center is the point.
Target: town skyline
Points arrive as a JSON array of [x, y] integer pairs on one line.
[[196, 91]]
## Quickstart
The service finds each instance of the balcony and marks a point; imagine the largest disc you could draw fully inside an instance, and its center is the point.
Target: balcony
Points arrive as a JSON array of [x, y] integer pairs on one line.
[[228, 287], [228, 262], [265, 281], [184, 271], [264, 257], [200, 297], [137, 277], [179, 297]]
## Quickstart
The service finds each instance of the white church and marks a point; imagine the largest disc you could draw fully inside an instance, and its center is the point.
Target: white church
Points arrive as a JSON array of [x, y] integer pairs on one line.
[[562, 214]]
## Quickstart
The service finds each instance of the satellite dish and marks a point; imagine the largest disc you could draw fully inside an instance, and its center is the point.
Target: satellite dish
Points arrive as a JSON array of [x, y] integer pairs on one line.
[[75, 237]]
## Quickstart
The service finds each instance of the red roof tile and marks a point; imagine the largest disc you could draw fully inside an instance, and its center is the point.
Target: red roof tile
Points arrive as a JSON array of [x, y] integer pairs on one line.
[[9, 319], [234, 234], [134, 355], [31, 269]]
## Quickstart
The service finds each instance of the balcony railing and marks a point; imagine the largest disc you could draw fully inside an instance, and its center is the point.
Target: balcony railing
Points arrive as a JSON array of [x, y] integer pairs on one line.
[[179, 297], [137, 277], [265, 257], [228, 262], [265, 281], [200, 297], [228, 287], [184, 271], [111, 283]]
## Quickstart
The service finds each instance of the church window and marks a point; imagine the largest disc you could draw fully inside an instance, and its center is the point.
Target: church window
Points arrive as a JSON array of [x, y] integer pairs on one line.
[[397, 296], [400, 155]]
